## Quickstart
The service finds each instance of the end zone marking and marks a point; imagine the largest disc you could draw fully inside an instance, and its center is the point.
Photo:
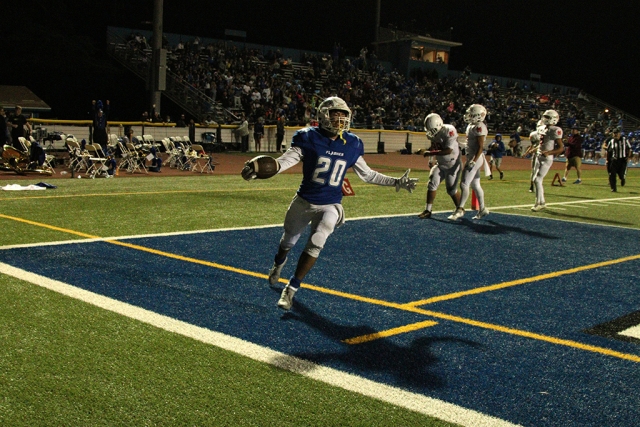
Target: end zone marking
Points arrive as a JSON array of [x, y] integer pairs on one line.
[[407, 306], [390, 332], [517, 282]]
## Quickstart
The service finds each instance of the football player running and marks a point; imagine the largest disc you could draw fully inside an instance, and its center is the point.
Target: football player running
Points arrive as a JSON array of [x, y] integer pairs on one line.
[[326, 152], [476, 134], [444, 145], [549, 146]]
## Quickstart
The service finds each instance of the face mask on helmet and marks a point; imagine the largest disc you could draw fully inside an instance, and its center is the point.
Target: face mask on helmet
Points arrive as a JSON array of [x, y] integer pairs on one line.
[[550, 117], [475, 114], [432, 124], [334, 115]]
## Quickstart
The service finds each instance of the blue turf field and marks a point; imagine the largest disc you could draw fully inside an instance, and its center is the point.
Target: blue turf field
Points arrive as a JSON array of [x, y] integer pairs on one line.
[[522, 353]]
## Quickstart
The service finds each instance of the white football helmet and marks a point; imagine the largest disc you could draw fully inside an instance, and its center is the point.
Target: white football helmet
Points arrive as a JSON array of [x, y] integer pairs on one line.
[[550, 117], [432, 124], [334, 125], [475, 114]]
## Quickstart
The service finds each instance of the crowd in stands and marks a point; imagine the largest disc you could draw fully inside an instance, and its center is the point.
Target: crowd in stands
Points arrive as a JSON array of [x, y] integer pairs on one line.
[[265, 86]]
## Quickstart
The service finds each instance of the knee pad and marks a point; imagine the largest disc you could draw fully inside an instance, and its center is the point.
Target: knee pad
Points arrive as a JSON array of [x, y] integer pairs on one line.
[[316, 241]]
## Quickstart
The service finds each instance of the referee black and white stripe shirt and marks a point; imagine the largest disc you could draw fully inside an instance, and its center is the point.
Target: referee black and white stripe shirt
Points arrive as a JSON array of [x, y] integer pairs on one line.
[[618, 148]]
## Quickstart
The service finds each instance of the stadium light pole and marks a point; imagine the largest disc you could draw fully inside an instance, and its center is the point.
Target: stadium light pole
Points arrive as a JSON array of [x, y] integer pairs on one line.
[[158, 77], [377, 29]]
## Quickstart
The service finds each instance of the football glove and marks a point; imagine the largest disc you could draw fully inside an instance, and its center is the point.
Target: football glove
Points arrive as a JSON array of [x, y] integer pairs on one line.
[[249, 171], [542, 130], [406, 183], [470, 165], [431, 153]]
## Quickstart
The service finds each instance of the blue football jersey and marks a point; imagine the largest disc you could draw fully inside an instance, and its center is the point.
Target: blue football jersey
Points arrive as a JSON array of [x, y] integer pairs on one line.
[[324, 163]]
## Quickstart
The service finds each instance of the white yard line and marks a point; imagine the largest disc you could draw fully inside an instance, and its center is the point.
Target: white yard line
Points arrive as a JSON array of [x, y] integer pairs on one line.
[[396, 396]]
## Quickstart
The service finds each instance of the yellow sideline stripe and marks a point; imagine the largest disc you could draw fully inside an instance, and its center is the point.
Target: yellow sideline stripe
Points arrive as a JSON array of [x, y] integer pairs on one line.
[[143, 193], [517, 282], [50, 227], [532, 335], [390, 332], [140, 248], [404, 307]]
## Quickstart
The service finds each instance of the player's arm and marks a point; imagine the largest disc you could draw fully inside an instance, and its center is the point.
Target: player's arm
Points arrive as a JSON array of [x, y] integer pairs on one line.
[[289, 158], [263, 167], [559, 148], [370, 176]]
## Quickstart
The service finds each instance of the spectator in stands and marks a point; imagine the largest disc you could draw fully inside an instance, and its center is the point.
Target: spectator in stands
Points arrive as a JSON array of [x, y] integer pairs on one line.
[[573, 153], [155, 115], [496, 151], [180, 123], [19, 127], [100, 122]]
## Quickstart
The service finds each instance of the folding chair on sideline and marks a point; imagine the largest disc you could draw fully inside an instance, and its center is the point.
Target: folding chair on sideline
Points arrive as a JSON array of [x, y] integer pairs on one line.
[[97, 161], [201, 162], [137, 159]]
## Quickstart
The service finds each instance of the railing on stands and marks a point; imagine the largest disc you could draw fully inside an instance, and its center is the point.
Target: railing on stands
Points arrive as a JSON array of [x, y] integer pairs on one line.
[[631, 122], [375, 140], [194, 101]]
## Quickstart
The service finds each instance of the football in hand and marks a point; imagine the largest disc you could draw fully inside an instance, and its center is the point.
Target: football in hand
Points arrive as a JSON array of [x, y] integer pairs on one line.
[[265, 166]]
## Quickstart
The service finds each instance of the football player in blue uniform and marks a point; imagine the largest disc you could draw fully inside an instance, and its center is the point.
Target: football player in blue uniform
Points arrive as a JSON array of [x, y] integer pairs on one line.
[[326, 152]]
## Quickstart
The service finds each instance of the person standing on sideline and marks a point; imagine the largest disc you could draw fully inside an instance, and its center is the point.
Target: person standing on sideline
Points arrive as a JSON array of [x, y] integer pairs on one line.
[[18, 123], [280, 131], [476, 134], [534, 139], [618, 149], [496, 151], [573, 153], [191, 130], [243, 133], [550, 145], [100, 125], [258, 133], [444, 145], [326, 151], [4, 130]]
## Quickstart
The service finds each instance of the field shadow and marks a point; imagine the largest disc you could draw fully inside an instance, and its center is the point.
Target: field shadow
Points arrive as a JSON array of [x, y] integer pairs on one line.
[[491, 227], [587, 218], [410, 366]]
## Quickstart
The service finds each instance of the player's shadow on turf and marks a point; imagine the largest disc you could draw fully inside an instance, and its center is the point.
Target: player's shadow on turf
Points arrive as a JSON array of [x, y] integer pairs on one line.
[[411, 365], [607, 221], [567, 196], [496, 228]]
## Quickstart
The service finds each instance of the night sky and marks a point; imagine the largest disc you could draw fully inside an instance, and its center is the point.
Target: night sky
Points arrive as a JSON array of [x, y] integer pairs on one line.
[[592, 46]]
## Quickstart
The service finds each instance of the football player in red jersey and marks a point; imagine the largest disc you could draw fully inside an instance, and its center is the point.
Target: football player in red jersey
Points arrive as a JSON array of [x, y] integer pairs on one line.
[[444, 145], [476, 134], [550, 145]]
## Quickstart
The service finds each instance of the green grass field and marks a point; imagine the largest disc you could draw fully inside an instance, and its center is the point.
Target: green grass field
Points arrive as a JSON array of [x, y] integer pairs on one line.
[[64, 362]]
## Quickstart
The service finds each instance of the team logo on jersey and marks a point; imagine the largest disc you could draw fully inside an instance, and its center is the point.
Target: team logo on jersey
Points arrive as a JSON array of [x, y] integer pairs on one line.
[[559, 132], [451, 133], [479, 129]]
